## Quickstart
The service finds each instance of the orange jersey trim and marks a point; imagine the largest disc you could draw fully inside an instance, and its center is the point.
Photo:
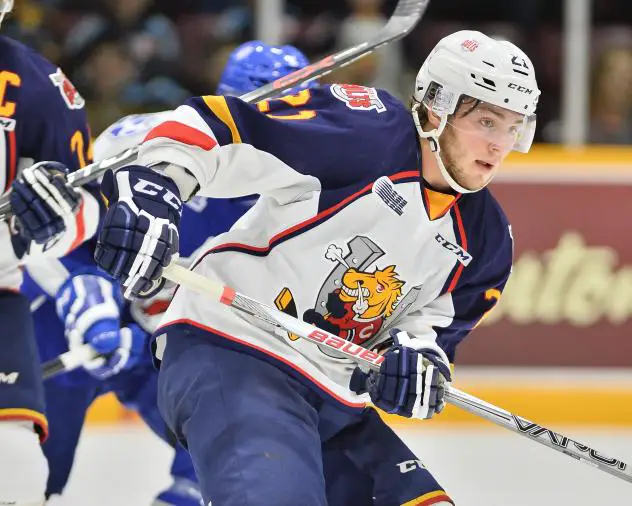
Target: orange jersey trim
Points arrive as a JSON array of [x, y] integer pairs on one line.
[[27, 415], [429, 499]]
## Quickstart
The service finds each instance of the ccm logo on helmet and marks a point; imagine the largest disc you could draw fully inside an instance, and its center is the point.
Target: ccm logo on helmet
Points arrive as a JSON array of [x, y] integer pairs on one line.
[[522, 89]]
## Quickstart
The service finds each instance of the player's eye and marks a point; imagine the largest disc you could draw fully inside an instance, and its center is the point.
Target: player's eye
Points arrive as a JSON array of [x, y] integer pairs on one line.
[[487, 122]]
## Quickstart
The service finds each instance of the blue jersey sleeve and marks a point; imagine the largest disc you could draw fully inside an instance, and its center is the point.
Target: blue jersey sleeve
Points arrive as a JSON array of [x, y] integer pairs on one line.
[[321, 132], [45, 119], [329, 139], [43, 113], [477, 280], [475, 289]]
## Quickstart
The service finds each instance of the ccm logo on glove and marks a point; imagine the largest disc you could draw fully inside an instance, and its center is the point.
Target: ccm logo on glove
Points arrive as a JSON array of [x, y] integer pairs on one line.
[[153, 189]]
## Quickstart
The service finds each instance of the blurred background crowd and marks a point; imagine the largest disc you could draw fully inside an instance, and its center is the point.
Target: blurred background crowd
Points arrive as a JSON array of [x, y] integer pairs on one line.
[[128, 56]]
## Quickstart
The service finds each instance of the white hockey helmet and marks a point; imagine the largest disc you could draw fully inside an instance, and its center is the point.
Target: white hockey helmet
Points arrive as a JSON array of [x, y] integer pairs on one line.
[[471, 64], [6, 6]]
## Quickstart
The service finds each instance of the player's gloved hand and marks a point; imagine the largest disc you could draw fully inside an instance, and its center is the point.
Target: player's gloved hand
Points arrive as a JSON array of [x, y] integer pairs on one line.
[[42, 201], [140, 229], [89, 306], [411, 381]]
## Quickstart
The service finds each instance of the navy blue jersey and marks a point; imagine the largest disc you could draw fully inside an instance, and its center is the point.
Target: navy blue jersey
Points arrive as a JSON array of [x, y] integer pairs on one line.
[[42, 115], [346, 235], [41, 118]]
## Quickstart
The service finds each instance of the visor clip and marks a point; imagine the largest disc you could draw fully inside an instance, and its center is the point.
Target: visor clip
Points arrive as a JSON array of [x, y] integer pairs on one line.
[[434, 145]]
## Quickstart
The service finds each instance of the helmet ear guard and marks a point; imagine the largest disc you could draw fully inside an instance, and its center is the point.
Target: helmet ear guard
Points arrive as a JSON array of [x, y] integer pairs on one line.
[[431, 106]]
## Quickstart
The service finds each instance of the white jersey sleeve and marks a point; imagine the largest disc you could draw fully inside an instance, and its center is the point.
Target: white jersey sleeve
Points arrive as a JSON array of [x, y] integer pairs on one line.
[[126, 133]]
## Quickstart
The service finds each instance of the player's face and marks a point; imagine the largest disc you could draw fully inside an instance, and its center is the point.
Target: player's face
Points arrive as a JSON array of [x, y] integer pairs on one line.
[[475, 143]]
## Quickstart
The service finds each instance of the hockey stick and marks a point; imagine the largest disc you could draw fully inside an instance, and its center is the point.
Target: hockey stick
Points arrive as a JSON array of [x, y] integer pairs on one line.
[[367, 358], [68, 361], [405, 17]]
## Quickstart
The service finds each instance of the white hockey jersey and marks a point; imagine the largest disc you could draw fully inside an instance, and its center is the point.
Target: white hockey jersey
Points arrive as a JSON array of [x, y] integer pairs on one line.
[[346, 235]]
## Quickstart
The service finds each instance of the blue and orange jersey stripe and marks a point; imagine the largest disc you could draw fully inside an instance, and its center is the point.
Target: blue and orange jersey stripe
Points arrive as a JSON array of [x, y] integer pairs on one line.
[[429, 499], [219, 107]]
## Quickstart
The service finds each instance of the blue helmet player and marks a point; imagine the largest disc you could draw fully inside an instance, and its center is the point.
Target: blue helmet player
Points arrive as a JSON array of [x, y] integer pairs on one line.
[[254, 64]]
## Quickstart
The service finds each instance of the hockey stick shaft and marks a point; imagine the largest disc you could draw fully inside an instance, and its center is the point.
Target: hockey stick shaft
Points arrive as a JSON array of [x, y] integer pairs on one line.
[[405, 17], [535, 432], [68, 361], [367, 358]]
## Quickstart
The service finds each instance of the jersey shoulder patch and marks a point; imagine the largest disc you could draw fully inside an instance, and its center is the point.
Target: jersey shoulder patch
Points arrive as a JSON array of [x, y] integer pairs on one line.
[[69, 93], [357, 97]]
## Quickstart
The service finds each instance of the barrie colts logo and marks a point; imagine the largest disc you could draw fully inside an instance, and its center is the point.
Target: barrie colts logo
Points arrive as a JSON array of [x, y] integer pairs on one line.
[[359, 98], [67, 90], [385, 190], [461, 255]]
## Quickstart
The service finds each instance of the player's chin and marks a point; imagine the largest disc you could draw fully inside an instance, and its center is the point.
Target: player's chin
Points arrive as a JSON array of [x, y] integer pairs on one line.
[[477, 179], [474, 183]]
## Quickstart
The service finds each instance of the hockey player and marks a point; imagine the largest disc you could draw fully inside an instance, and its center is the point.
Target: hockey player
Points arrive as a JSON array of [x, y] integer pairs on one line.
[[89, 307], [250, 65], [41, 118], [371, 223]]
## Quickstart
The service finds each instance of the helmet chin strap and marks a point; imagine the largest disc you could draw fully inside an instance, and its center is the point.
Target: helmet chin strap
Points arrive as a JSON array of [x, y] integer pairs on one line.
[[433, 139], [5, 9]]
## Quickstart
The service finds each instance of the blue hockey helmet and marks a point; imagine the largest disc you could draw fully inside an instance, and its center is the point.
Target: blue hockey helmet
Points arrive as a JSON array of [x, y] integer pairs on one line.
[[254, 64]]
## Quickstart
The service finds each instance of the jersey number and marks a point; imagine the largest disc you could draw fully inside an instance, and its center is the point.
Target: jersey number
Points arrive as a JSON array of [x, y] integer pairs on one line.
[[297, 100], [493, 294], [78, 146]]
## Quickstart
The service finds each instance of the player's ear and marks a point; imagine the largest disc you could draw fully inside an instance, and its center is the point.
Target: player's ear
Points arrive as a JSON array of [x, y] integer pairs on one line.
[[433, 119]]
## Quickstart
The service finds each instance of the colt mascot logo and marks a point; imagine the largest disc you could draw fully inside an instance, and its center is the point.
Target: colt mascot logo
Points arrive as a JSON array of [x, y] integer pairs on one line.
[[357, 297], [356, 310]]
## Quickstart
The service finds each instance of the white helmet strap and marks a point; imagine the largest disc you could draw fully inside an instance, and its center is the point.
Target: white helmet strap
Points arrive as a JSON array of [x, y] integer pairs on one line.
[[5, 8], [433, 138]]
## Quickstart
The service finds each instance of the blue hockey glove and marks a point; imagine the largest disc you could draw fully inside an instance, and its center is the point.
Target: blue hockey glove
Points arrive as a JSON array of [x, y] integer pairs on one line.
[[411, 381], [140, 230], [42, 201], [89, 306]]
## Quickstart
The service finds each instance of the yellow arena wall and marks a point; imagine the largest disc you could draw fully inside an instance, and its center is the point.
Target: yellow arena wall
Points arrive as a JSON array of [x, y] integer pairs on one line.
[[562, 332]]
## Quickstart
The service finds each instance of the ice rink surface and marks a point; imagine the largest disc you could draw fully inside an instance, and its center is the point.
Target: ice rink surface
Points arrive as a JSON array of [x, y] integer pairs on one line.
[[125, 465]]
